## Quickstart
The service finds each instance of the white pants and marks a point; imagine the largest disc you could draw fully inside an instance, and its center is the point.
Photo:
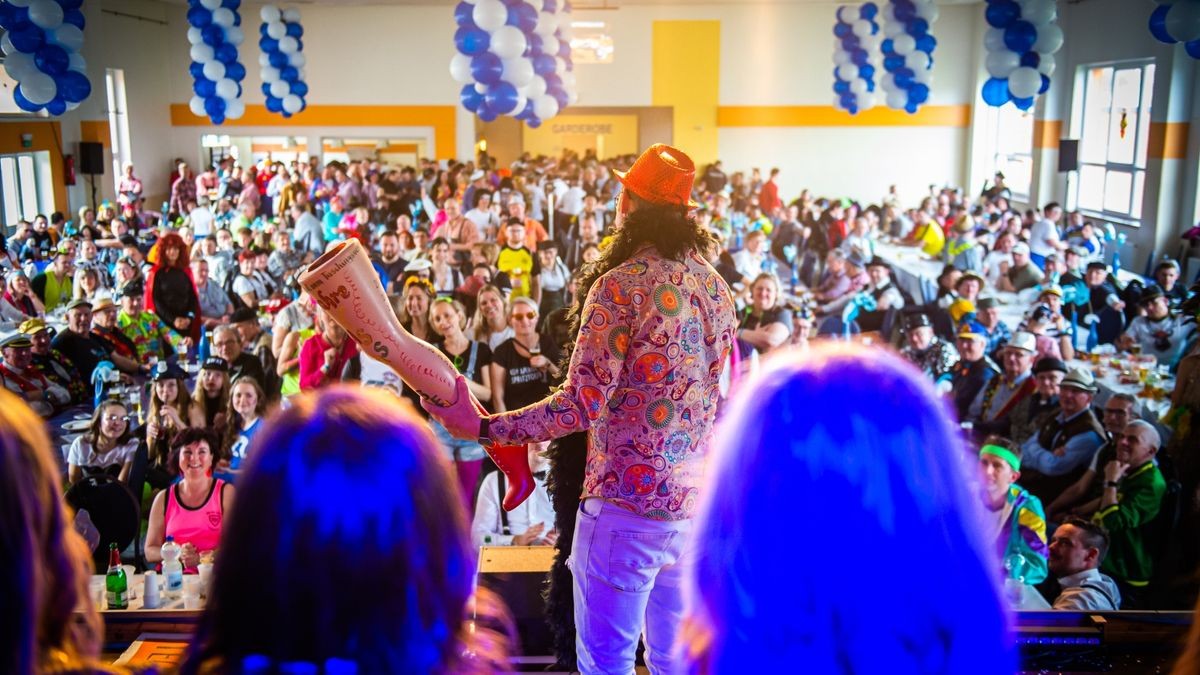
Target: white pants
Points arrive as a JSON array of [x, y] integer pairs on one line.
[[628, 580]]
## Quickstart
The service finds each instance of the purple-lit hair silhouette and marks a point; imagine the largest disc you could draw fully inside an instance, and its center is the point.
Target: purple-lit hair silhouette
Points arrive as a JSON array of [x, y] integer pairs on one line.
[[840, 530]]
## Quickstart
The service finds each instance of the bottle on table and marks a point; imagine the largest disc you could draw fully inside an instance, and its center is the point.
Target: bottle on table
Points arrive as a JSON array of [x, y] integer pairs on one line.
[[115, 583], [172, 569]]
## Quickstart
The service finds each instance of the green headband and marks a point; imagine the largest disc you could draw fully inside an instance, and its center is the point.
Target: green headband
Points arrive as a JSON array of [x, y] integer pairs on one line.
[[1003, 453]]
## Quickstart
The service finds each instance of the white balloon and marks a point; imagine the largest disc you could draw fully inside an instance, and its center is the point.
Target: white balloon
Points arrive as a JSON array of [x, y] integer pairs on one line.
[[489, 14], [227, 89], [77, 63], [572, 97], [18, 65], [210, 5], [517, 71], [270, 74], [279, 89], [263, 59], [297, 59], [536, 88], [194, 36], [560, 67], [866, 100], [214, 70], [924, 76], [71, 105], [1024, 82], [1050, 38], [545, 107], [46, 14], [460, 68], [202, 53], [993, 40], [545, 25], [1047, 65], [196, 105], [507, 42], [480, 88], [277, 30], [848, 72], [1039, 12], [234, 36], [858, 86], [904, 44], [897, 99], [893, 29], [223, 17], [841, 57], [69, 37], [7, 46], [1001, 64], [928, 11], [888, 82], [39, 88], [848, 13], [269, 13], [550, 45], [288, 44], [917, 60], [520, 106], [291, 15], [861, 28], [235, 108], [292, 103]]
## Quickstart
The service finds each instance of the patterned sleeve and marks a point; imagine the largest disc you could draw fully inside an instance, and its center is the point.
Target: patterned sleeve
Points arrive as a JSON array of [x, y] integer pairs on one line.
[[592, 376]]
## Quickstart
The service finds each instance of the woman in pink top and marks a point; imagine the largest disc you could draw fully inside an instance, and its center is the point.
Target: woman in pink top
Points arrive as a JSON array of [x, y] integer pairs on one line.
[[193, 509]]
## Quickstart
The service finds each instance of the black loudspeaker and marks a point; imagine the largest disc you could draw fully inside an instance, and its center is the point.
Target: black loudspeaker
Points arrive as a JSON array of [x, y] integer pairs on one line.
[[1068, 155], [91, 158]]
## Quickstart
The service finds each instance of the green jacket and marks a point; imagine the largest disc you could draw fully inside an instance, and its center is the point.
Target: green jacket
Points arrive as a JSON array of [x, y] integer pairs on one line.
[[1139, 498]]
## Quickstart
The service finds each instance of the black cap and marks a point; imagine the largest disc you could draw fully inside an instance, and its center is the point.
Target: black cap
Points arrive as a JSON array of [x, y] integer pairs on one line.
[[167, 371], [216, 363], [128, 240], [243, 314], [879, 262], [547, 245], [1097, 265], [133, 289], [1048, 364], [1151, 292], [917, 321]]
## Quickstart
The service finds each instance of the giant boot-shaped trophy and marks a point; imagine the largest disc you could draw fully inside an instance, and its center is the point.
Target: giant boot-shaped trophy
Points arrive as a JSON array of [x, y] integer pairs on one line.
[[346, 286]]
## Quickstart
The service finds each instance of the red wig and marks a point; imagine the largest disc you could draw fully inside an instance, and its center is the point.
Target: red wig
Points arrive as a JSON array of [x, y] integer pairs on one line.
[[168, 240]]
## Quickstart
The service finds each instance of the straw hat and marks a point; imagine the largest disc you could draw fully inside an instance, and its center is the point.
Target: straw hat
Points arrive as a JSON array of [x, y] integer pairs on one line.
[[662, 175]]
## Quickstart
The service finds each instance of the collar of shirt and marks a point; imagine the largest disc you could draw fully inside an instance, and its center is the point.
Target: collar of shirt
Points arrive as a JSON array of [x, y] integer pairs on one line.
[[1079, 578]]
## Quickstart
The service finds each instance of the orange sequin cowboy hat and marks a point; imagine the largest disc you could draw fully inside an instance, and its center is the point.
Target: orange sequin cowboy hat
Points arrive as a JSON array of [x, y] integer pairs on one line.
[[662, 175]]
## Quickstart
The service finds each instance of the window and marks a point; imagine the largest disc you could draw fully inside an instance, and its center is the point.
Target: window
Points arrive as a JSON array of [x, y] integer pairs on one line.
[[1114, 134], [1014, 149], [118, 123], [21, 186], [591, 42]]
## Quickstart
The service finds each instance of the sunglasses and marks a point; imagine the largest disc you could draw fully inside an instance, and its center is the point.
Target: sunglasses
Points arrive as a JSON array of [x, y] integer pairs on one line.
[[528, 316]]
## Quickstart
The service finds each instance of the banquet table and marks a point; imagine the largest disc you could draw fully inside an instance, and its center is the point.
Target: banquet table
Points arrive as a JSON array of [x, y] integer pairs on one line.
[[123, 626]]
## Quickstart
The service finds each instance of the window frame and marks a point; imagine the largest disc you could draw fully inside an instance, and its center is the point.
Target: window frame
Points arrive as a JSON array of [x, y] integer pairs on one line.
[[1009, 155], [10, 220]]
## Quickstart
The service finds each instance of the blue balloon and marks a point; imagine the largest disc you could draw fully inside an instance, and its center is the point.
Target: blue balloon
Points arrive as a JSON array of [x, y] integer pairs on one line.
[[888, 46], [486, 68], [295, 30], [904, 72], [1158, 24], [70, 4], [851, 42], [75, 18], [227, 53], [74, 86], [1045, 85], [299, 45], [904, 81], [218, 119], [471, 41], [893, 62], [559, 94], [1020, 36], [852, 108], [300, 88], [866, 72], [464, 14], [859, 57], [533, 122], [52, 60], [196, 69], [212, 35], [564, 52], [918, 27], [27, 38], [470, 98], [918, 93], [841, 29], [268, 45], [904, 11], [527, 114], [1023, 103], [57, 106], [542, 65], [870, 85], [841, 87], [215, 107], [1192, 48], [278, 60], [199, 17], [237, 19], [536, 44], [995, 92], [24, 103], [550, 6], [204, 87], [553, 81], [522, 16], [868, 10], [847, 100], [502, 97], [1031, 60], [486, 114], [235, 71], [1001, 14], [231, 4], [926, 43], [289, 74], [911, 107], [274, 105], [11, 15]]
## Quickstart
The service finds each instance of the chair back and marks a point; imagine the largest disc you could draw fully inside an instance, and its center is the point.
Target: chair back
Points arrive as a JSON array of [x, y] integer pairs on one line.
[[113, 510]]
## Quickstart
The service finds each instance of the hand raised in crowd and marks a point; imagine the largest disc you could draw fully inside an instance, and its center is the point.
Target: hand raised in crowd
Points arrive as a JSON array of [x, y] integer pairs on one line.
[[1115, 470], [538, 361], [182, 323], [528, 537]]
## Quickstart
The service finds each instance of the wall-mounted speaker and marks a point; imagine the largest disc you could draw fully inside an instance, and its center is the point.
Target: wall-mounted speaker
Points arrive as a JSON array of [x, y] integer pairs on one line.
[[91, 158], [1068, 155]]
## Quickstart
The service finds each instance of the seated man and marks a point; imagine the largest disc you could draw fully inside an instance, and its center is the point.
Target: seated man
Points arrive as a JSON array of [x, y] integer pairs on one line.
[[148, 333], [1159, 331], [1076, 551], [257, 343], [1133, 493], [1059, 453], [973, 371], [1019, 521], [1023, 273], [1083, 496], [530, 524], [52, 363], [859, 281], [934, 357], [83, 350], [1101, 293], [1029, 415], [227, 344], [990, 412], [18, 375], [887, 295], [987, 315]]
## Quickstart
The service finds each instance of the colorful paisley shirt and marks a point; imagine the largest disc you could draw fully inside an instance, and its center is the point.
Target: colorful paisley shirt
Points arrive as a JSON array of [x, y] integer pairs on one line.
[[643, 382], [149, 334]]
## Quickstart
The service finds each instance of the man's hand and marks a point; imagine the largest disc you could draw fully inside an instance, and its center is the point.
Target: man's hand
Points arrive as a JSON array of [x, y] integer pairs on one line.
[[461, 417], [551, 538], [529, 536], [1060, 451], [182, 323], [1115, 470]]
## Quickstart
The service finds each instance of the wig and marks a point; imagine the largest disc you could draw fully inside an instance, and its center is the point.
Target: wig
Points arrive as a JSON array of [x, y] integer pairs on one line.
[[851, 447]]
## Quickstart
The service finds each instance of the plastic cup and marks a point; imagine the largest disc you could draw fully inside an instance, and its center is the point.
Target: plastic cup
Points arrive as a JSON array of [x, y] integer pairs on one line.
[[204, 571], [98, 590]]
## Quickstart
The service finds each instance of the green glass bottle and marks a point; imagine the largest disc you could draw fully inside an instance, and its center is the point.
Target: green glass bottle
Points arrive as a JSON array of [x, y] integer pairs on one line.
[[115, 582]]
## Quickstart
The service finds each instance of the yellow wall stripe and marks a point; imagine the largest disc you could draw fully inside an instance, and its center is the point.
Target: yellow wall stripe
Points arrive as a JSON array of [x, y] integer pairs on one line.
[[440, 117], [828, 116], [686, 75], [1046, 134], [1168, 140], [95, 131]]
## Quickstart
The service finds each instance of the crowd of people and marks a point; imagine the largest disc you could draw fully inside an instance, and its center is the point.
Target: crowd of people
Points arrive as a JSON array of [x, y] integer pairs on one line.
[[184, 331]]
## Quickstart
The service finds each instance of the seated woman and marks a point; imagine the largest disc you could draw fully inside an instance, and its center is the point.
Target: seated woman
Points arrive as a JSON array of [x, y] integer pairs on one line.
[[107, 447], [193, 509], [247, 404], [888, 461], [346, 477], [764, 323], [19, 301], [211, 394], [171, 411], [49, 623]]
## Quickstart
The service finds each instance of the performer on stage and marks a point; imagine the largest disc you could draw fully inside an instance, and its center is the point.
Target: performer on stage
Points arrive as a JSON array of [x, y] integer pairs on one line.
[[654, 334]]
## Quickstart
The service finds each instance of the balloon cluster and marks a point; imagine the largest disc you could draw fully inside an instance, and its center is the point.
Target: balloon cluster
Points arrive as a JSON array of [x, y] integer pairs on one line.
[[908, 52], [1178, 21], [41, 52], [215, 34], [514, 58], [1114, 240], [1020, 46], [282, 60], [854, 45]]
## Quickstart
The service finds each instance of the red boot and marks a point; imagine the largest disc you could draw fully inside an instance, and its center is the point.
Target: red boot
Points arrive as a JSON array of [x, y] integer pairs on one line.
[[513, 460]]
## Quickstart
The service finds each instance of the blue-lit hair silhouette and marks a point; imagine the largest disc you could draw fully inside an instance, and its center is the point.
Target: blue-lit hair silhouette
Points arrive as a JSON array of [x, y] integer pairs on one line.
[[347, 545], [841, 530]]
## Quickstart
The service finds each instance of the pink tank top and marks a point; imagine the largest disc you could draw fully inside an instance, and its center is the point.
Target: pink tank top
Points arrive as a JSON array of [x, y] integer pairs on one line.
[[201, 526]]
